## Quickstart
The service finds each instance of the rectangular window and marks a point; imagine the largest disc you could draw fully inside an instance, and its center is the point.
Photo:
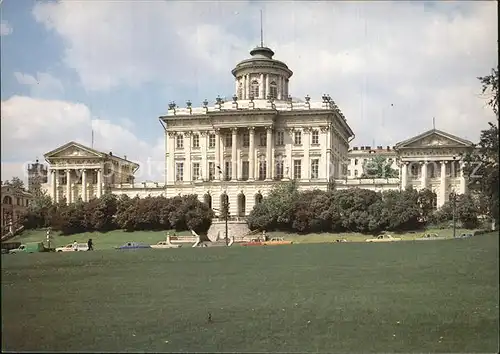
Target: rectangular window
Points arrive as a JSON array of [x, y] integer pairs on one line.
[[279, 170], [355, 173], [211, 171], [297, 138], [228, 140], [263, 139], [227, 170], [315, 169], [297, 169], [211, 141], [280, 138], [262, 170], [196, 171], [179, 139], [315, 137], [245, 170], [179, 171], [246, 140], [196, 141], [355, 162]]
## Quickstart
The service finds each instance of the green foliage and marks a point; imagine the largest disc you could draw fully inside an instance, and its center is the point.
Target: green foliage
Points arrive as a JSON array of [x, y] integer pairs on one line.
[[379, 167], [109, 213], [351, 210], [15, 183], [483, 162], [466, 209]]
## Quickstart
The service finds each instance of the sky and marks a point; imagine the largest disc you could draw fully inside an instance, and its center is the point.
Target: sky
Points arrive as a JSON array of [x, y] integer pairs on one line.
[[72, 67]]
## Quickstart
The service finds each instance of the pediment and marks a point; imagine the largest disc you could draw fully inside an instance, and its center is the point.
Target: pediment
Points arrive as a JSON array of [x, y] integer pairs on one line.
[[434, 139], [73, 150]]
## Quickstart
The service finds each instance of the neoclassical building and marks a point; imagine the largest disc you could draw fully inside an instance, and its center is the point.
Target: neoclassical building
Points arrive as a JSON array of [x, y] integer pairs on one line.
[[239, 148], [79, 172]]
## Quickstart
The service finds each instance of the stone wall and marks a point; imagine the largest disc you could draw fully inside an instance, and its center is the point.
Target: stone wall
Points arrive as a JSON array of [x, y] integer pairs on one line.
[[236, 229]]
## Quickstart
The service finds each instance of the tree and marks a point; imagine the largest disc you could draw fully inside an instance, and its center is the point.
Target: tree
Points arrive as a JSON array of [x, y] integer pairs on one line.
[[482, 162], [426, 201], [16, 183], [379, 167], [38, 214]]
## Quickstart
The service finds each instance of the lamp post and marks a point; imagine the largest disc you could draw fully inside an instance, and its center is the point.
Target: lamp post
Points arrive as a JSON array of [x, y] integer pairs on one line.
[[453, 198]]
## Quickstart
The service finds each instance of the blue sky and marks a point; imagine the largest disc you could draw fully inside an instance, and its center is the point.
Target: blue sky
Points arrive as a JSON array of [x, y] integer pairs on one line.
[[70, 66]]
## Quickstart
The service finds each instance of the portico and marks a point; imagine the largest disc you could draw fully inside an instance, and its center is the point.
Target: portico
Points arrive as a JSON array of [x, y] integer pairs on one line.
[[78, 172], [433, 160]]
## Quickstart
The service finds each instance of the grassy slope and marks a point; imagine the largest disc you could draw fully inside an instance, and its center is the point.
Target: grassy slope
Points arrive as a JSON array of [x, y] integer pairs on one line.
[[118, 237], [352, 297]]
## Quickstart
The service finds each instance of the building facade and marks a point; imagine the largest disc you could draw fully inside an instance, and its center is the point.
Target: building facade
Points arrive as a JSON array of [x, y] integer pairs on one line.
[[14, 204], [239, 148], [79, 172]]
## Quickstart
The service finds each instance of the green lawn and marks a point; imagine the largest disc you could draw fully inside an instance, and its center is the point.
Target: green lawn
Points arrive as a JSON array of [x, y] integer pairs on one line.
[[435, 296]]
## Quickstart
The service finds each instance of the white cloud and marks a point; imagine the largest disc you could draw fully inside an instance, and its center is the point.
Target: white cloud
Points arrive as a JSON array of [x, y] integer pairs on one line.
[[43, 86], [423, 58], [5, 28], [32, 127]]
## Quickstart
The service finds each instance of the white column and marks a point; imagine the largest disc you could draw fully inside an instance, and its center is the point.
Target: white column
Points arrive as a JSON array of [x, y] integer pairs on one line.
[[53, 185], [463, 180], [203, 147], [269, 153], [188, 169], [251, 154], [68, 186], [99, 183], [234, 153], [442, 185], [261, 87], [324, 161], [306, 143], [84, 185], [218, 155], [289, 153], [170, 165], [267, 86], [404, 175], [423, 175], [58, 181], [236, 86], [280, 87]]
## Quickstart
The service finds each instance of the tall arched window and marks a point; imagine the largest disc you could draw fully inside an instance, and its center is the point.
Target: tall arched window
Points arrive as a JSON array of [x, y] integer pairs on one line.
[[254, 89], [273, 90]]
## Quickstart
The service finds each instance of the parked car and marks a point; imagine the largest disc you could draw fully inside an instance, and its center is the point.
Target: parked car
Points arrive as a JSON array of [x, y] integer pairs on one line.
[[464, 235], [429, 237], [71, 248], [132, 246], [383, 238], [253, 242], [277, 241], [165, 244], [31, 247]]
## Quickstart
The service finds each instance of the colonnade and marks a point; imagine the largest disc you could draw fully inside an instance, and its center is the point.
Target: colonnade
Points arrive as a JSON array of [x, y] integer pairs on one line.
[[70, 183]]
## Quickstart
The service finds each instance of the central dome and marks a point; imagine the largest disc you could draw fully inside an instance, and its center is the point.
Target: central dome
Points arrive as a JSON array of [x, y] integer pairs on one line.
[[261, 76]]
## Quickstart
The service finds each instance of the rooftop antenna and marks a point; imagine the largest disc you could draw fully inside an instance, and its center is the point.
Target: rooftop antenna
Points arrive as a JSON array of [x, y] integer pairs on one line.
[[261, 31], [434, 123], [92, 138]]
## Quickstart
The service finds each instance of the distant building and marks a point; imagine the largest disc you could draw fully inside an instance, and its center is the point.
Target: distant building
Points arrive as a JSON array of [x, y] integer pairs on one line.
[[37, 176], [14, 203]]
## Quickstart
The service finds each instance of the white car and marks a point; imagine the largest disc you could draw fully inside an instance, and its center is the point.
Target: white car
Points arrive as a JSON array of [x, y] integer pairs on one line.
[[71, 248], [383, 238], [165, 244]]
